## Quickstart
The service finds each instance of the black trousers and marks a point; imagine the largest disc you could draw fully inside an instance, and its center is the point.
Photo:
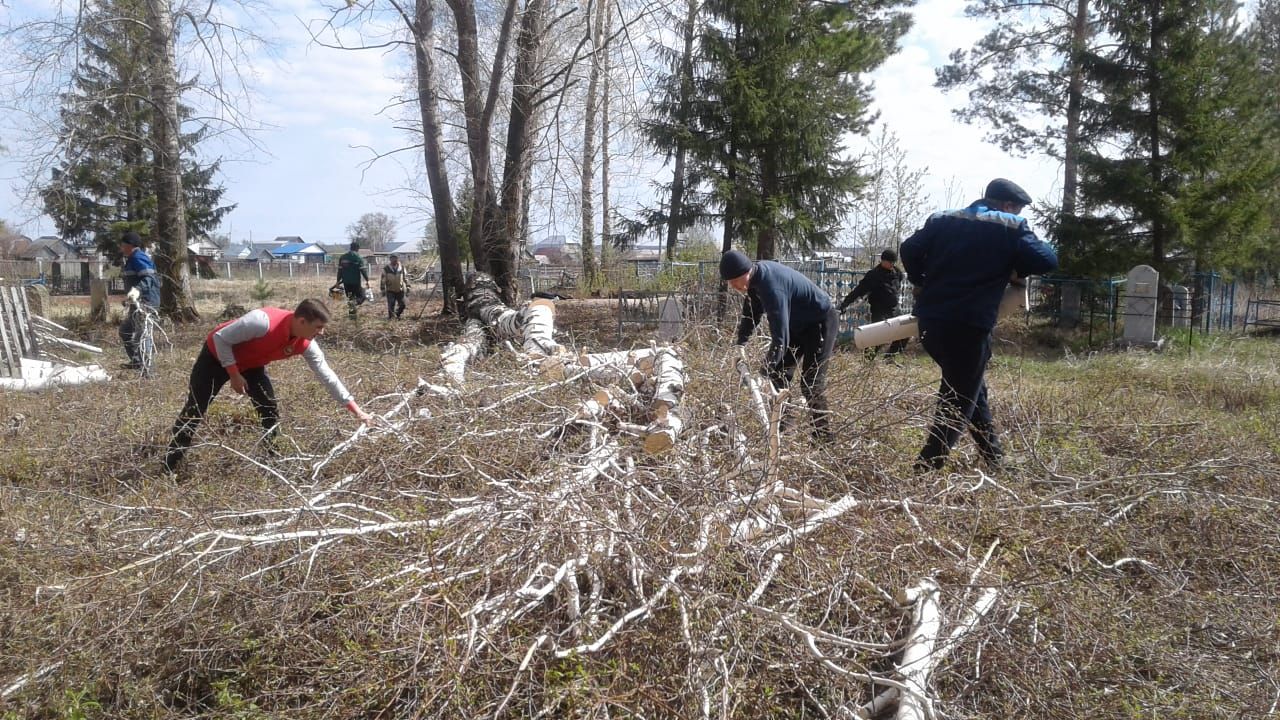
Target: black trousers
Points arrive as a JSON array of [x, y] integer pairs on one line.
[[884, 313], [811, 348], [395, 303], [130, 328], [355, 297], [207, 378], [962, 352]]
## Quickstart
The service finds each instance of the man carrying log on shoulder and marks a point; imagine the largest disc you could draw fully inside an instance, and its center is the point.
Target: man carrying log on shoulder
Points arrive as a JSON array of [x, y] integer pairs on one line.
[[238, 351], [803, 323], [959, 265]]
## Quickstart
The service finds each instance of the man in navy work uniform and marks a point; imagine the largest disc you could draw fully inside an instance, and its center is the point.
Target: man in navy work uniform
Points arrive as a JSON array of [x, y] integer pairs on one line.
[[140, 272], [881, 286], [959, 265], [802, 322]]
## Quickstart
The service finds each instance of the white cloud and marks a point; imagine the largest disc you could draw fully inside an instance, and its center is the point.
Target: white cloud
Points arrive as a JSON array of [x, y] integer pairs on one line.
[[921, 115]]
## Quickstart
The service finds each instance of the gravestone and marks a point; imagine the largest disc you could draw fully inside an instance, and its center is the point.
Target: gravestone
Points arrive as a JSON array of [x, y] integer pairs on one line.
[[1069, 313], [1181, 306], [98, 300], [1141, 292], [37, 299], [670, 320]]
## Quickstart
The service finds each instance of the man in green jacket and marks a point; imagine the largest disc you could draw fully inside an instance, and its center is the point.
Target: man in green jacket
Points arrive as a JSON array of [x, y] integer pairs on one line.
[[351, 270]]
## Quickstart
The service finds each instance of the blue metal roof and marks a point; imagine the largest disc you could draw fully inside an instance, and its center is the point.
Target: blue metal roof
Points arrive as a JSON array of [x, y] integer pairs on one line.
[[297, 248]]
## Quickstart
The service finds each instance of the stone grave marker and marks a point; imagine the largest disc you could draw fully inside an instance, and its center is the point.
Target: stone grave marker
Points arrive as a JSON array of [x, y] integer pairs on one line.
[[670, 320], [1141, 292], [1069, 314], [1181, 306]]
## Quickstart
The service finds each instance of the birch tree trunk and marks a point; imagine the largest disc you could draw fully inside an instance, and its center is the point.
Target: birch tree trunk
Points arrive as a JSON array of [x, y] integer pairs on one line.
[[492, 252], [171, 222], [433, 152], [516, 168], [605, 233], [595, 30]]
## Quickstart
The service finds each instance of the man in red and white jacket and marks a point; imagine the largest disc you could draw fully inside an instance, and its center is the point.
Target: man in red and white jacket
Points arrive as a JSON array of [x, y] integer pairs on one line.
[[238, 351]]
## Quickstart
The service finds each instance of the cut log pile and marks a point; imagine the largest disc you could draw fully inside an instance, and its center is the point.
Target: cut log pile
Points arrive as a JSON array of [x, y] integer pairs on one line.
[[694, 532]]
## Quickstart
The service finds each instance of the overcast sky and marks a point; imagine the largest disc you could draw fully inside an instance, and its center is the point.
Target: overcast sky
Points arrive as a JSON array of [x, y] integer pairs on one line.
[[327, 108]]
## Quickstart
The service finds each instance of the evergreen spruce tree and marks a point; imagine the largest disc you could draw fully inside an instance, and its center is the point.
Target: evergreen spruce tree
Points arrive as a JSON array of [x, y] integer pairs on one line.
[[759, 114], [1264, 40], [105, 182], [782, 89], [1177, 111]]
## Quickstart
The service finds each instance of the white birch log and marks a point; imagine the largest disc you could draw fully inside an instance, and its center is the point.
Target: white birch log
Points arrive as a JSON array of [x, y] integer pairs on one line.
[[889, 697], [661, 434], [539, 328], [45, 337], [508, 325], [456, 355], [668, 377], [668, 388], [41, 375], [918, 656]]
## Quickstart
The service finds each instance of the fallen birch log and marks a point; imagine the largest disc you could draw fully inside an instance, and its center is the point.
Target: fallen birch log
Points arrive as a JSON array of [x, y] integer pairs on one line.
[[668, 389], [918, 656], [661, 434], [887, 699], [456, 355], [41, 375], [539, 320]]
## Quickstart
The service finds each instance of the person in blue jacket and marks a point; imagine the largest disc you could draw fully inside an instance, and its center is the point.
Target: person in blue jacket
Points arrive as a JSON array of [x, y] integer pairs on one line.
[[802, 322], [959, 265], [139, 272]]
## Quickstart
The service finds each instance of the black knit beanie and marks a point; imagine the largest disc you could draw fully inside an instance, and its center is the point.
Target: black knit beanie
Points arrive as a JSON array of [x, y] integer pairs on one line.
[[734, 264]]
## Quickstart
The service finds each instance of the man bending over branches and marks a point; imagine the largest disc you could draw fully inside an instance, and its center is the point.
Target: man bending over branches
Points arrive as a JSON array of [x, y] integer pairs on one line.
[[238, 351]]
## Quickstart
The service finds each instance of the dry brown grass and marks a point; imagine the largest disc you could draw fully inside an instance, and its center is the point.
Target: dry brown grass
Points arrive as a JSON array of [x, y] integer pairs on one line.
[[1136, 559]]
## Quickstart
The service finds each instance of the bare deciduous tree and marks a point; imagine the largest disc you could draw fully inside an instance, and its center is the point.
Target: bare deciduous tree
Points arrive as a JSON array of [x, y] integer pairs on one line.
[[374, 230]]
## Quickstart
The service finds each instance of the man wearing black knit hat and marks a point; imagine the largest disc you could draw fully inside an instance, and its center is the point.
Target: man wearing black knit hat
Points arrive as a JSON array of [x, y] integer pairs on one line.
[[959, 265], [802, 322], [880, 286]]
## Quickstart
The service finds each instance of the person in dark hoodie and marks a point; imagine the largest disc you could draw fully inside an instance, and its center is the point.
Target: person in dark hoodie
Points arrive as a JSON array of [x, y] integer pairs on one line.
[[802, 322], [139, 272], [959, 265], [881, 286]]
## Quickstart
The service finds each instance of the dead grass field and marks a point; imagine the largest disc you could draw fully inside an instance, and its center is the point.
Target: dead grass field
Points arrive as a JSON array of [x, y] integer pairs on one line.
[[1133, 541]]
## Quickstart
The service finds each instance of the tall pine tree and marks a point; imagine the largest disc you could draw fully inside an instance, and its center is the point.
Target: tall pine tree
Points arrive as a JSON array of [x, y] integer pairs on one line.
[[105, 182]]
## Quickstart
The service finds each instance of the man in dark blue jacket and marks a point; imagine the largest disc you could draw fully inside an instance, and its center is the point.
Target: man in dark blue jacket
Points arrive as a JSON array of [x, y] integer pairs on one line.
[[959, 265], [139, 272], [802, 322], [881, 286]]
